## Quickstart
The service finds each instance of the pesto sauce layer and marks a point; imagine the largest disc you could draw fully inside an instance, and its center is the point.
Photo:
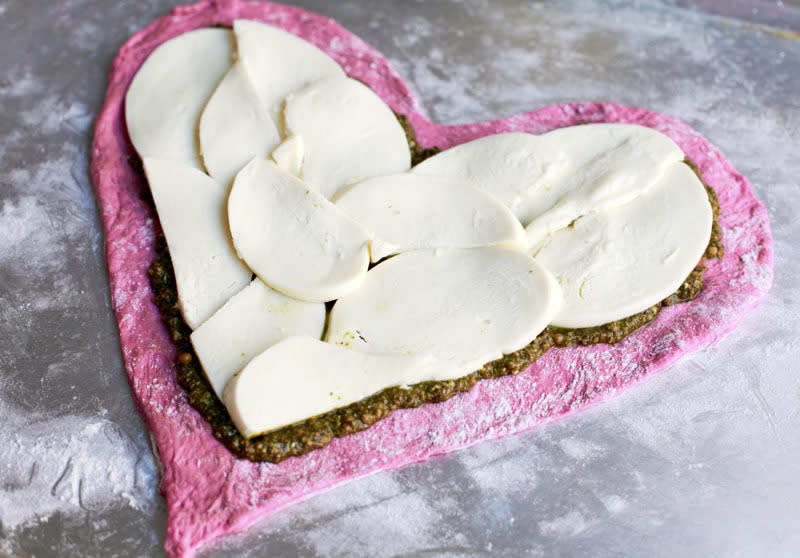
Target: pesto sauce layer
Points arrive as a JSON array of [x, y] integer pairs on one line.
[[316, 432]]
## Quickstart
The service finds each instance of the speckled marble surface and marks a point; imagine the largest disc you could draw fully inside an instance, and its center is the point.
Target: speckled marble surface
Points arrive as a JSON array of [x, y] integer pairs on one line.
[[700, 460]]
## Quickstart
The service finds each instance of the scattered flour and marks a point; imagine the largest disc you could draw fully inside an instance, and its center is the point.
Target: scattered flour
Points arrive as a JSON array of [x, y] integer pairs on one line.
[[64, 452], [69, 464], [614, 504], [580, 450], [567, 525], [52, 462]]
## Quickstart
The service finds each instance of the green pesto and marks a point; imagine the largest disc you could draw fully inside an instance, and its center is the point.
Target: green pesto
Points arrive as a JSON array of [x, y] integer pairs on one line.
[[418, 154], [316, 432]]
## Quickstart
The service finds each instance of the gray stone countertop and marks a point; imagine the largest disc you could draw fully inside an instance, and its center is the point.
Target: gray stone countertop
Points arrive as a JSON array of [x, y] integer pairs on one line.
[[701, 460]]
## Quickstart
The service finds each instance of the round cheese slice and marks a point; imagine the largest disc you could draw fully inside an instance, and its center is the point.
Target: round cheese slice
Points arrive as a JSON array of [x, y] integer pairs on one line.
[[349, 134], [234, 127], [167, 95], [458, 305], [618, 262], [406, 212], [294, 239], [191, 209], [250, 322], [301, 377], [279, 63]]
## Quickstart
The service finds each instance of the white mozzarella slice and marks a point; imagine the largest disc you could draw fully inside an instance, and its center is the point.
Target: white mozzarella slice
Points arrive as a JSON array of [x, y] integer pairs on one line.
[[167, 95], [289, 155], [250, 322], [295, 240], [609, 165], [621, 261], [406, 212], [279, 63], [548, 181], [459, 306], [234, 127], [191, 209], [301, 377], [349, 133], [512, 167]]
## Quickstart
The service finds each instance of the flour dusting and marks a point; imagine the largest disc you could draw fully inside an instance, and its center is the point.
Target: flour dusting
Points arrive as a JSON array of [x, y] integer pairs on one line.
[[201, 475], [570, 524], [96, 467]]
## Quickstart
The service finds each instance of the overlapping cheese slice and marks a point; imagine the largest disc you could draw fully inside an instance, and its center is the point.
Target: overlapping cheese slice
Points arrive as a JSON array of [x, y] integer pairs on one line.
[[294, 239], [608, 165], [404, 212], [512, 167], [550, 180], [250, 322], [349, 134], [425, 315], [190, 207], [235, 127], [301, 377], [279, 63], [243, 118], [614, 223], [616, 263], [289, 155], [167, 95], [611, 210], [465, 307]]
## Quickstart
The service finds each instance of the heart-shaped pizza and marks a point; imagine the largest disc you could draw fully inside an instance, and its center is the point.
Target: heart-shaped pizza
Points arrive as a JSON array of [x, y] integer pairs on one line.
[[321, 283]]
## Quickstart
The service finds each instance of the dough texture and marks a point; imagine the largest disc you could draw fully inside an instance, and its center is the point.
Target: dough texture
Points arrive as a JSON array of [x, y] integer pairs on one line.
[[209, 492]]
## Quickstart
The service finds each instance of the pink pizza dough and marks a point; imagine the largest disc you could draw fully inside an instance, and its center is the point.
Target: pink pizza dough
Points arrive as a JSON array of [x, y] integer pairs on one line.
[[210, 492]]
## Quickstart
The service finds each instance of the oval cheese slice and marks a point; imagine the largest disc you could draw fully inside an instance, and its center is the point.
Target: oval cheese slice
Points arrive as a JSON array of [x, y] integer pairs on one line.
[[349, 134], [460, 306], [191, 209], [406, 212], [301, 377], [250, 322], [621, 261], [609, 165], [295, 240], [279, 63], [234, 127], [548, 181], [512, 167], [167, 95]]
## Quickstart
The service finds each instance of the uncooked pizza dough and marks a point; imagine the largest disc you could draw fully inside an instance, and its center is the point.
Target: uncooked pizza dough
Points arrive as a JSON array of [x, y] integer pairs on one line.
[[198, 471]]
